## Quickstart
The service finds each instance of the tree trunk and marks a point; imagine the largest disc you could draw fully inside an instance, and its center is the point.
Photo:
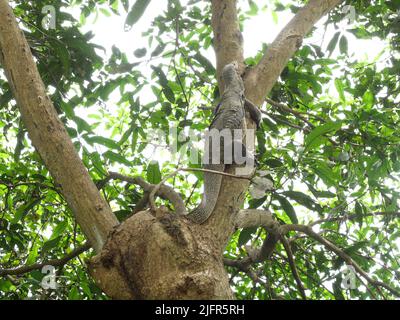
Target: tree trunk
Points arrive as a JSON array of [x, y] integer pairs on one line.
[[152, 255]]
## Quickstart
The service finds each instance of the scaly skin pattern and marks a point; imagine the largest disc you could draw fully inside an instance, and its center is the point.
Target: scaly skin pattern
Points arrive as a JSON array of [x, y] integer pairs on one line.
[[230, 114]]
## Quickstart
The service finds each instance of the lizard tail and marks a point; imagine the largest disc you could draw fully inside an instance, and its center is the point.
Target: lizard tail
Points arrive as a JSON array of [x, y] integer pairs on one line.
[[212, 185]]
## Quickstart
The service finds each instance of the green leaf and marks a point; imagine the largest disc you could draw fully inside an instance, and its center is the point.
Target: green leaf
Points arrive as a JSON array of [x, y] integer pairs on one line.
[[50, 244], [82, 125], [325, 173], [256, 203], [205, 63], [352, 250], [343, 45], [86, 289], [158, 50], [153, 172], [332, 44], [246, 235], [140, 53], [32, 255], [337, 289], [125, 136], [359, 213], [103, 141], [273, 163], [169, 94], [303, 199], [312, 141], [288, 208], [59, 229], [135, 13], [125, 4], [23, 210], [253, 8], [320, 194], [117, 158], [105, 12], [368, 99], [73, 294], [63, 55], [340, 89]]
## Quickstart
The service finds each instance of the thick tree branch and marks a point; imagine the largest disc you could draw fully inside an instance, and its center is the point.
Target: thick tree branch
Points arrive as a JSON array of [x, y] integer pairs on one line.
[[261, 79], [255, 218], [228, 40], [48, 134], [55, 262]]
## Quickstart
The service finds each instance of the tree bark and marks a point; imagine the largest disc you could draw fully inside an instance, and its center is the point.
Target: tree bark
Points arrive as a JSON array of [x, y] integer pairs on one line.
[[48, 134]]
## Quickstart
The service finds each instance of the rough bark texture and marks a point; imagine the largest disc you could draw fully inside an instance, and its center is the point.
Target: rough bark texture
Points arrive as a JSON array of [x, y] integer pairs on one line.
[[228, 40], [172, 259], [48, 134], [149, 256]]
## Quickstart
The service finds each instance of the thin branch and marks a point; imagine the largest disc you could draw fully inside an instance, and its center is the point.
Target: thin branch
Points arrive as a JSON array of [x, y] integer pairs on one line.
[[163, 191], [355, 216], [289, 124], [293, 267], [217, 172], [247, 270], [191, 193], [285, 108], [332, 247], [297, 115], [157, 187], [55, 262]]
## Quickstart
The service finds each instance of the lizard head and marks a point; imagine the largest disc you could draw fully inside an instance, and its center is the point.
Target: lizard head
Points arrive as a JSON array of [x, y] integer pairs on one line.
[[230, 74]]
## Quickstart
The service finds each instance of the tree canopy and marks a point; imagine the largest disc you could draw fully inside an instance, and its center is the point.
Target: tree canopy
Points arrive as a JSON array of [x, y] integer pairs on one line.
[[327, 149]]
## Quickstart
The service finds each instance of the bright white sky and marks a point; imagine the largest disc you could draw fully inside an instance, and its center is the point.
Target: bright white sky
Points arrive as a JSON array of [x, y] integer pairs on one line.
[[261, 28]]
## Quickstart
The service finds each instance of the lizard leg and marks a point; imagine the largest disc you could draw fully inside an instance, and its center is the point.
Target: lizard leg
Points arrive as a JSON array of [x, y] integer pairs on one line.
[[255, 113]]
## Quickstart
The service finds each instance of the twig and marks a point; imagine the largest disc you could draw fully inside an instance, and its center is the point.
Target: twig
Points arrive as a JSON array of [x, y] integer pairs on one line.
[[355, 216], [55, 262], [284, 107], [217, 172], [157, 187], [163, 191], [293, 267], [330, 246]]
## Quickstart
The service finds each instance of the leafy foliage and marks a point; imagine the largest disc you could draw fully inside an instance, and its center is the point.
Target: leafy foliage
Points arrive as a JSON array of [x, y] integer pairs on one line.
[[329, 141]]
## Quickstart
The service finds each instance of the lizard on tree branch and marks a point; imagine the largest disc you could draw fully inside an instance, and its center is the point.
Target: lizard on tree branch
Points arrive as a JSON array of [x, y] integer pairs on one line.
[[228, 116]]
